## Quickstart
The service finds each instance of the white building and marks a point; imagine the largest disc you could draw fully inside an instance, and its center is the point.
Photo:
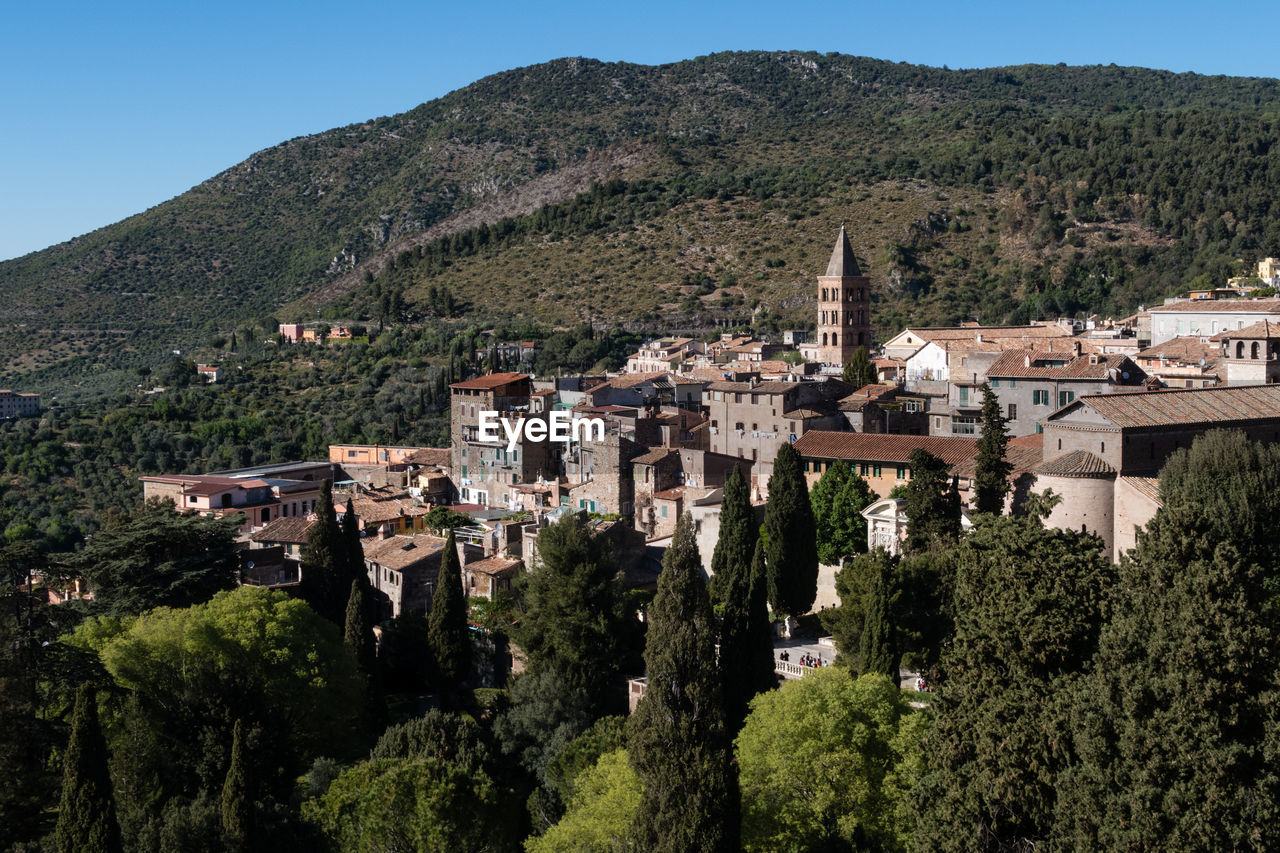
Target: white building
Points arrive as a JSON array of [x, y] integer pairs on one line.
[[1208, 317]]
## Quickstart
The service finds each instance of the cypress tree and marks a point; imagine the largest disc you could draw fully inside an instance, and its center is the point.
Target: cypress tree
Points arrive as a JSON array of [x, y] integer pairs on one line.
[[877, 647], [792, 552], [746, 641], [677, 740], [353, 551], [87, 811], [991, 480], [447, 630], [358, 633], [236, 802], [737, 540], [324, 561], [932, 506], [1028, 604], [1177, 722]]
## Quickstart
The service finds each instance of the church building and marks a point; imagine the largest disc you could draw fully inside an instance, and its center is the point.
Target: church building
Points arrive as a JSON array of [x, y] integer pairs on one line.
[[844, 306]]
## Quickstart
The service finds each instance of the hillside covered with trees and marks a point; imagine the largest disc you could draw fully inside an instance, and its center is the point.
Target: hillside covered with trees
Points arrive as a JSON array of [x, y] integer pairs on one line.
[[705, 191]]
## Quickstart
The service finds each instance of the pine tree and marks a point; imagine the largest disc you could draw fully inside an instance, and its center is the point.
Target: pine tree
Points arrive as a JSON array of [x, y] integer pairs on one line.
[[739, 531], [677, 740], [87, 811], [878, 647], [236, 798], [447, 629], [933, 512], [746, 641], [324, 561], [991, 481], [792, 552], [859, 371]]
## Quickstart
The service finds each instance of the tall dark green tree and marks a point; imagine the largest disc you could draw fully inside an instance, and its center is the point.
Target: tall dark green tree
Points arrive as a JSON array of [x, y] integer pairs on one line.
[[237, 799], [792, 552], [746, 641], [324, 561], [447, 630], [27, 635], [577, 619], [1177, 723], [878, 645], [677, 739], [991, 480], [87, 811], [358, 633], [933, 512], [354, 551], [858, 370], [1028, 605], [838, 499], [739, 531]]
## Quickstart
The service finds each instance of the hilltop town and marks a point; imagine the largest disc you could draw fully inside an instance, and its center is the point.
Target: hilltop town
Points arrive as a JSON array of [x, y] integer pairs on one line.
[[1091, 408]]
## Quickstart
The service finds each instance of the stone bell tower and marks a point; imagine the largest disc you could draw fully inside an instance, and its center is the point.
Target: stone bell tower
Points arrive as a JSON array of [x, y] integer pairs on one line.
[[844, 306]]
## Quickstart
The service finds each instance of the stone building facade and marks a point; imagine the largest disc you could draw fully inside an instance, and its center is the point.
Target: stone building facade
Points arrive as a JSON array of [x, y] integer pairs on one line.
[[844, 306]]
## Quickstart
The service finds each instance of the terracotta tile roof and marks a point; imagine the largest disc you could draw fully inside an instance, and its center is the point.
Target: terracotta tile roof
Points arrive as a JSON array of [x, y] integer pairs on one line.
[[1148, 487], [760, 387], [1035, 439], [772, 365], [988, 333], [669, 494], [374, 511], [1257, 331], [1022, 364], [292, 530], [653, 457], [1023, 458], [496, 567], [401, 552], [430, 456], [1188, 349], [867, 394], [490, 381], [628, 380], [712, 374], [823, 444], [1223, 404], [1221, 306], [1077, 463], [805, 414]]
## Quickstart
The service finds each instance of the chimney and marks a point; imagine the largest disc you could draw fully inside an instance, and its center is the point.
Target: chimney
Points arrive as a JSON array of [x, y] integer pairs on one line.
[[1026, 360], [979, 337], [384, 531], [1075, 348]]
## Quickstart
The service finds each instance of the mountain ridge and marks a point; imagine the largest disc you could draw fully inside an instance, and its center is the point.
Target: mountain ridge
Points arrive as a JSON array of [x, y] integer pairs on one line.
[[297, 226]]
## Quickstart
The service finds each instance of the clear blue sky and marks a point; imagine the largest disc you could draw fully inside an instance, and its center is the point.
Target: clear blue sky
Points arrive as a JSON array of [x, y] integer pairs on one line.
[[107, 109]]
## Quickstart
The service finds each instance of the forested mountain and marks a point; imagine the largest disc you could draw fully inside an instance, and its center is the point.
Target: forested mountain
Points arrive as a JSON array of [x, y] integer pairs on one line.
[[706, 191]]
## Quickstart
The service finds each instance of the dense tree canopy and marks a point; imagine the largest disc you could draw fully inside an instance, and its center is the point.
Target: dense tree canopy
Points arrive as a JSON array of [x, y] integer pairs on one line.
[[576, 618], [159, 557], [1177, 724], [826, 763], [1028, 603]]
